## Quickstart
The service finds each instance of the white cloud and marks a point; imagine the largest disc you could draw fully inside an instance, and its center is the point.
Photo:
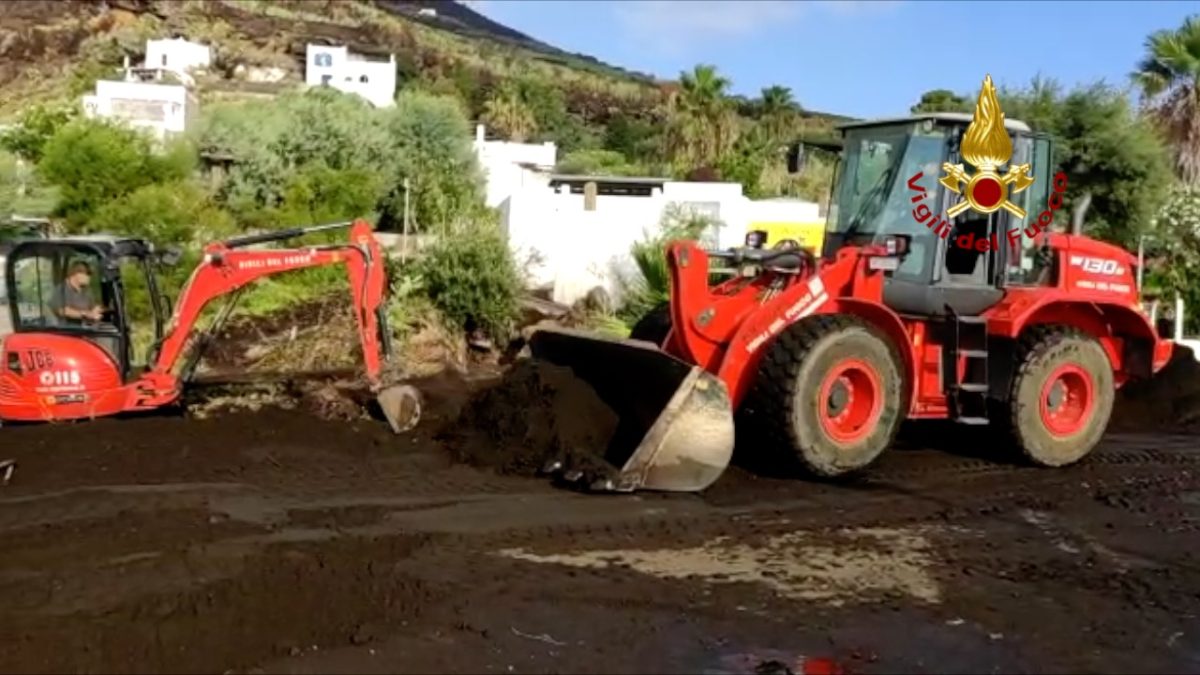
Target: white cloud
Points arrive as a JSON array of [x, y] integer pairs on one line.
[[675, 26]]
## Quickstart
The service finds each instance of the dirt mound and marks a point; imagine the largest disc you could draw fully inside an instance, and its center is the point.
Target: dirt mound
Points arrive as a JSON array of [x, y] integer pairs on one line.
[[537, 413], [1169, 401]]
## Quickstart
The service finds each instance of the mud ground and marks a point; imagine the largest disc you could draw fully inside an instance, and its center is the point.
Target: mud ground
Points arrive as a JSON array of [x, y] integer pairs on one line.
[[278, 542]]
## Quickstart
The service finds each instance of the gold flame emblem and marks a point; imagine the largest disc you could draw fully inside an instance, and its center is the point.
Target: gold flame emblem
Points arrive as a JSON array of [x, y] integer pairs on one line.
[[987, 147]]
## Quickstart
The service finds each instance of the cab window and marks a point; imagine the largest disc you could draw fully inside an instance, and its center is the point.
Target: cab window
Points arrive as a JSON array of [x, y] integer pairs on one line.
[[44, 284]]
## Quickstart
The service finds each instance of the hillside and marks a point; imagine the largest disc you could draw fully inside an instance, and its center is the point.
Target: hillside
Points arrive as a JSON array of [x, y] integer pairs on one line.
[[53, 50]]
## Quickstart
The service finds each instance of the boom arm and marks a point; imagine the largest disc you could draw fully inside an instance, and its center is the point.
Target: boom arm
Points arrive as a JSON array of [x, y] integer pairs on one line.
[[226, 268]]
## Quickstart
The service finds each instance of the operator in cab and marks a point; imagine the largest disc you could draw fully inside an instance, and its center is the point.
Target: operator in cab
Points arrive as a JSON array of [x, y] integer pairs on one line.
[[73, 303]]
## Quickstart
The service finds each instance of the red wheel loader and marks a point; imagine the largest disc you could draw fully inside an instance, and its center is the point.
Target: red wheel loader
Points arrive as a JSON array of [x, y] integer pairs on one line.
[[63, 361], [893, 319]]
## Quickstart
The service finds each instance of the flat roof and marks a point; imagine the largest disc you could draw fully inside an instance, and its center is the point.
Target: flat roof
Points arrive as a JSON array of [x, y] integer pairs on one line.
[[620, 180], [958, 118]]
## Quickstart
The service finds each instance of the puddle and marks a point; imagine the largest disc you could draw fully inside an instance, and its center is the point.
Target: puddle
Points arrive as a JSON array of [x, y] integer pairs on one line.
[[833, 568]]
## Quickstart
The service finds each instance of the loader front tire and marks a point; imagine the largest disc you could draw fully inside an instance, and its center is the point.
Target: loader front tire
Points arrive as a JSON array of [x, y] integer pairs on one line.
[[1061, 397], [654, 326], [831, 393]]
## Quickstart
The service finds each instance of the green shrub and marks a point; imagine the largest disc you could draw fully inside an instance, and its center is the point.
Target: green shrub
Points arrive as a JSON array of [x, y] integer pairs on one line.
[[35, 128], [652, 286], [432, 149], [94, 162], [598, 163], [318, 194], [1176, 253], [470, 276], [176, 213]]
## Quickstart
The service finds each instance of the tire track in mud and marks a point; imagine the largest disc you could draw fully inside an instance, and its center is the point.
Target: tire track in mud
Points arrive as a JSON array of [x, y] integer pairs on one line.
[[959, 490], [923, 485]]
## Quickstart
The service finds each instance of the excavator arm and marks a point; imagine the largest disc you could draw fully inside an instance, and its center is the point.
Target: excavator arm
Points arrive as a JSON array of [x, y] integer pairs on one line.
[[228, 266]]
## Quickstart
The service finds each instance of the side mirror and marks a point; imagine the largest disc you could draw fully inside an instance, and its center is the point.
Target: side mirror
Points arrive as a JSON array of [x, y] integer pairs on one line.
[[796, 158]]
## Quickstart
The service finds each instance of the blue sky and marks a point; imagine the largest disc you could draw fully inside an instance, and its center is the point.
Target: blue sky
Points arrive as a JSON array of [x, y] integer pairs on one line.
[[860, 58]]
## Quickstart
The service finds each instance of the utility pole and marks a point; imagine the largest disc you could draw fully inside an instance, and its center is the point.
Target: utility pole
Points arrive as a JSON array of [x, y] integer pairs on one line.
[[404, 247]]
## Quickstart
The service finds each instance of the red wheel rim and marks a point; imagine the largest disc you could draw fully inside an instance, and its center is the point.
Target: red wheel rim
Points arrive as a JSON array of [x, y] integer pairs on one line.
[[1067, 400], [850, 401]]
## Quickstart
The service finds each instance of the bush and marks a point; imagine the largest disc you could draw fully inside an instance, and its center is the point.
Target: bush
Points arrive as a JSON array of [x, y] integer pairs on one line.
[[432, 149], [598, 162], [319, 194], [470, 276], [320, 127], [176, 213], [653, 285], [1176, 252], [28, 138], [95, 162]]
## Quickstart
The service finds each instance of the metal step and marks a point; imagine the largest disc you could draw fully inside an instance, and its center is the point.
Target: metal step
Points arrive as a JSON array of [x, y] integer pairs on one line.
[[974, 421], [971, 319], [974, 353], [973, 387]]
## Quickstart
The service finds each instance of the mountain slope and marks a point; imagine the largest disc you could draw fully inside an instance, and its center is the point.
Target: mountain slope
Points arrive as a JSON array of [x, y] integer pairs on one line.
[[54, 50]]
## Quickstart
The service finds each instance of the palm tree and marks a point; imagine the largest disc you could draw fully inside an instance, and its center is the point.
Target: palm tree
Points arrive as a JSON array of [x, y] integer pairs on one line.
[[702, 123], [777, 109], [507, 112], [776, 99], [1169, 77]]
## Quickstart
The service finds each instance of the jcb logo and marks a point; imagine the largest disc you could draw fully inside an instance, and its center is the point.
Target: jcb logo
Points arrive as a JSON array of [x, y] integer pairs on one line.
[[1103, 266]]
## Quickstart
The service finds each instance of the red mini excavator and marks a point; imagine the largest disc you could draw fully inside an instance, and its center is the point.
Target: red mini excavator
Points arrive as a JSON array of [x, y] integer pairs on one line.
[[61, 363], [825, 356]]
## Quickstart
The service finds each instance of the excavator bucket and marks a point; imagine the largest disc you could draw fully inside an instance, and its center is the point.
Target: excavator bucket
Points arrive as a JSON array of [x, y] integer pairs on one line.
[[401, 406], [675, 429]]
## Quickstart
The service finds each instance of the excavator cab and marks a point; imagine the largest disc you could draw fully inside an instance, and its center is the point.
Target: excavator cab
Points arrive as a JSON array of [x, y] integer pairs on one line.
[[46, 277], [888, 175]]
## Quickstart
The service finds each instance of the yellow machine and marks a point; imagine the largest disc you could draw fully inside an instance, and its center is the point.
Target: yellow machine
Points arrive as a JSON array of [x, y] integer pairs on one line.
[[810, 235]]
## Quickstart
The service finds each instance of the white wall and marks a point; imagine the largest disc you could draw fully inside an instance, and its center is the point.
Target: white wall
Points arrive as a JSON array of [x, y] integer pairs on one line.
[[177, 55], [584, 249], [160, 108], [502, 164], [351, 73]]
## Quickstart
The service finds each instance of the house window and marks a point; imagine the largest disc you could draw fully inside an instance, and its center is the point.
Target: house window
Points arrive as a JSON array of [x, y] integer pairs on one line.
[[363, 79], [326, 78], [164, 60], [323, 60]]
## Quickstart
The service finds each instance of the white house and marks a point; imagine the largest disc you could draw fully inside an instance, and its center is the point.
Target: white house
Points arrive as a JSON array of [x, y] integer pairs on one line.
[[178, 56], [162, 109], [336, 67], [510, 167]]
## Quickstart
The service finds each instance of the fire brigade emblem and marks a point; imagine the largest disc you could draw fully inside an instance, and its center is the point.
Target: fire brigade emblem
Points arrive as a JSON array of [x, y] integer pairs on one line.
[[986, 146]]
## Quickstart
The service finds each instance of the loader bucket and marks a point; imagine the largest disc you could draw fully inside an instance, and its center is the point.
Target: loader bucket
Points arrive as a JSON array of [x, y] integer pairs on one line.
[[675, 429], [401, 406]]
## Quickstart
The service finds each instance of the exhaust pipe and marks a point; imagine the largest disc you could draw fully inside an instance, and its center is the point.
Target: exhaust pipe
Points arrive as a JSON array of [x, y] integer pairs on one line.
[[1079, 211]]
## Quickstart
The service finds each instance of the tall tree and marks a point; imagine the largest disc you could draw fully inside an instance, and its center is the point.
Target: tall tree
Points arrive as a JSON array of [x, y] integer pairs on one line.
[[778, 109], [942, 100], [702, 124], [1169, 77], [777, 99]]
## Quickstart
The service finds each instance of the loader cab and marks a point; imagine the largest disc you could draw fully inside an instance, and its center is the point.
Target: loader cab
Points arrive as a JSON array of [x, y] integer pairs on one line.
[[875, 194], [119, 270]]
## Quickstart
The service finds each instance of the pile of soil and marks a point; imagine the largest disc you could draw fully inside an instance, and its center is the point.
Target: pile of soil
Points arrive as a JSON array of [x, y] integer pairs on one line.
[[1169, 401], [537, 413]]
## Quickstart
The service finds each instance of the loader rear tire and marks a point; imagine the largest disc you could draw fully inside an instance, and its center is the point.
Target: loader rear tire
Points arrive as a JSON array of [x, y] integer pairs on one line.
[[1061, 397], [654, 326], [830, 390]]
